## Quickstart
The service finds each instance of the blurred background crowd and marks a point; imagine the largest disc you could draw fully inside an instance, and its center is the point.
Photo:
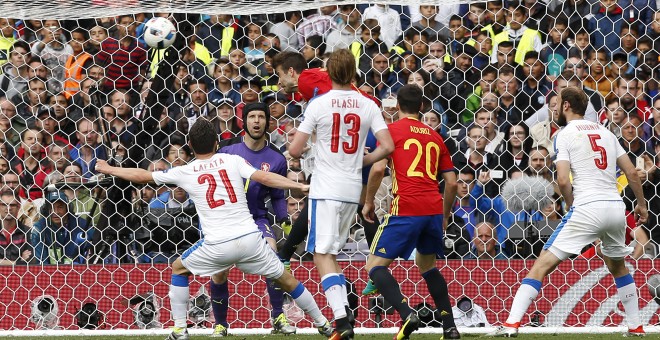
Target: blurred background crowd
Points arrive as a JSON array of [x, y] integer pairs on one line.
[[74, 91]]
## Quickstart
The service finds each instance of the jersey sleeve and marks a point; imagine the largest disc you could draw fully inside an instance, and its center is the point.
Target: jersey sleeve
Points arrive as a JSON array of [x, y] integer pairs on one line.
[[377, 122], [561, 147], [244, 168], [445, 163], [309, 119], [169, 176], [620, 151]]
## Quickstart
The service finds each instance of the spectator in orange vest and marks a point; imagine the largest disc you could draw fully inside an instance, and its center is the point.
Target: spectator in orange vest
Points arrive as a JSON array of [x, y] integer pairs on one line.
[[76, 63]]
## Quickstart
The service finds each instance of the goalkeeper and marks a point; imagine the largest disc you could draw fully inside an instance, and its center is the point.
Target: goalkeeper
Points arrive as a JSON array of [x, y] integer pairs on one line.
[[256, 149]]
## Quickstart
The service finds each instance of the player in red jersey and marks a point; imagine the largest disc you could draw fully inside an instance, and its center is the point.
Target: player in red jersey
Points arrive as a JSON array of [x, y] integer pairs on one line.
[[416, 216], [301, 83], [305, 84]]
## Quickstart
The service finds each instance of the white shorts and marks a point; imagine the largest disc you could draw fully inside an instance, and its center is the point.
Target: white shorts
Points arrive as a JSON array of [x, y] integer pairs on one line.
[[588, 222], [250, 253], [329, 225]]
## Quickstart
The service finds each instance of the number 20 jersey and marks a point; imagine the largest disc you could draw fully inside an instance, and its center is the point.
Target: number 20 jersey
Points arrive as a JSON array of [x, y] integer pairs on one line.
[[215, 185], [420, 156], [592, 151], [342, 120]]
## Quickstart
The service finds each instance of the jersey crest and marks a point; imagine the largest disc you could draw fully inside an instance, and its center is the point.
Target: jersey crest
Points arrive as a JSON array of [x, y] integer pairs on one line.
[[265, 167]]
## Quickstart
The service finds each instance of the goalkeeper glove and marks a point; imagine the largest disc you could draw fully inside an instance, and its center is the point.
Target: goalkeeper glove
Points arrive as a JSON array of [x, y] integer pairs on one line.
[[286, 226]]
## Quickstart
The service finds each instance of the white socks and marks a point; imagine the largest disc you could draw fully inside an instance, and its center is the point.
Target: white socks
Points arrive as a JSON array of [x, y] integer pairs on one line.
[[305, 301], [334, 293], [179, 301], [527, 292]]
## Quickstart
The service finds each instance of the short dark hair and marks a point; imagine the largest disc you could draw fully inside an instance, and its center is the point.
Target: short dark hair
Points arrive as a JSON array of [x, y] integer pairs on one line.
[[506, 70], [202, 136], [627, 77], [410, 98], [576, 98], [569, 76], [37, 79], [505, 44], [84, 32], [489, 70], [288, 59], [316, 42], [22, 44], [561, 19], [412, 32], [632, 26], [531, 54], [593, 53], [371, 25], [35, 59]]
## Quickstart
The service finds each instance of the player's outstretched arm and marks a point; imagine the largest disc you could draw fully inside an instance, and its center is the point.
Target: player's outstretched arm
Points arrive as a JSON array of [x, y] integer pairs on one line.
[[635, 184], [272, 180], [376, 175], [135, 175], [564, 181], [297, 147], [384, 149], [449, 196]]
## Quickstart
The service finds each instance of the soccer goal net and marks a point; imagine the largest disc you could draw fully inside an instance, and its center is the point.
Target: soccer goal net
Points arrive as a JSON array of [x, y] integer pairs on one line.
[[81, 82]]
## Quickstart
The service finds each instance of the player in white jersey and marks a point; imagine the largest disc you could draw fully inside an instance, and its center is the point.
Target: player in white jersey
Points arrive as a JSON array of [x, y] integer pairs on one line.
[[342, 117], [214, 182], [591, 153]]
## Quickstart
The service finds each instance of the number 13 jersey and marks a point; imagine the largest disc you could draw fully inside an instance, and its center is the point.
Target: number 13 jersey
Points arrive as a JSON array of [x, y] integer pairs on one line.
[[420, 156], [215, 185], [342, 120], [592, 151]]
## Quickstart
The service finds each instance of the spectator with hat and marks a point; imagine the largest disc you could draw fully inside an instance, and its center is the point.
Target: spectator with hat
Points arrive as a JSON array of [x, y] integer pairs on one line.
[[59, 237], [225, 120], [459, 83], [249, 90]]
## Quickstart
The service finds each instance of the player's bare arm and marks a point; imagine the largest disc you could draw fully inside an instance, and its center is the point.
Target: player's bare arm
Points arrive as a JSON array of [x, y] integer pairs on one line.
[[277, 181], [384, 149], [641, 212], [376, 175], [135, 175], [564, 181], [297, 147], [449, 195]]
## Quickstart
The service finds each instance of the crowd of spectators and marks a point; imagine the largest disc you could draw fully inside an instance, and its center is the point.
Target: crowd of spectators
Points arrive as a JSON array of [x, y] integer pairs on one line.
[[73, 92]]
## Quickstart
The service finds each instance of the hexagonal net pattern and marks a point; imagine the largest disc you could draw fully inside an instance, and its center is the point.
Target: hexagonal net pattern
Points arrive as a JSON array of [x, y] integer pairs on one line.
[[88, 82]]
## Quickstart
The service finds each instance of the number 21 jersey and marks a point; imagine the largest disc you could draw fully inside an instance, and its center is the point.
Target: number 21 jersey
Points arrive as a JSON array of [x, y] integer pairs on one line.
[[215, 185], [592, 151], [342, 119]]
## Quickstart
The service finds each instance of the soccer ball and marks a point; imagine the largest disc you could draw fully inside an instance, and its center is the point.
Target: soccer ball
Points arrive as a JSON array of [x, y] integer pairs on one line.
[[159, 32]]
